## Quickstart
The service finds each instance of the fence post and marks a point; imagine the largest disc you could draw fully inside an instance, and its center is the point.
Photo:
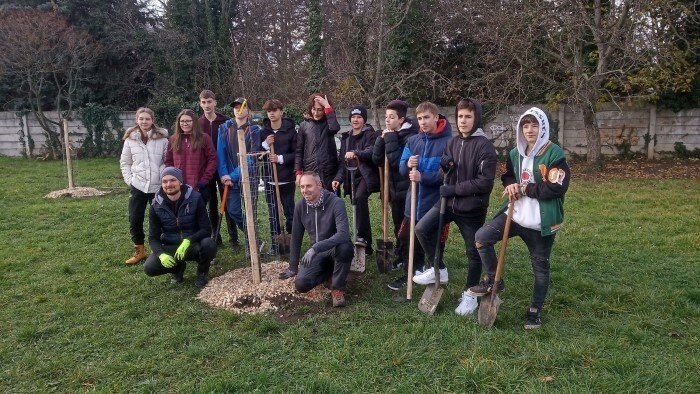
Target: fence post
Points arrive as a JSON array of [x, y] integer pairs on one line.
[[652, 132], [561, 115]]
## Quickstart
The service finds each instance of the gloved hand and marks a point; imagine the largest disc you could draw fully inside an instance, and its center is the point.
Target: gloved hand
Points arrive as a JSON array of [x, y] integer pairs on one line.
[[182, 249], [306, 259], [166, 260], [447, 163], [448, 190]]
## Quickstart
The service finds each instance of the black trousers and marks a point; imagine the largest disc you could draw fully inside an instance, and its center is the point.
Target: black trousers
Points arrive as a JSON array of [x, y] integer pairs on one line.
[[202, 252], [287, 198], [334, 263], [138, 201]]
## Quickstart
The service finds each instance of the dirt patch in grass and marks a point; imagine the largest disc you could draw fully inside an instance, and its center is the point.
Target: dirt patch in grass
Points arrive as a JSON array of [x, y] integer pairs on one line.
[[76, 192], [235, 291]]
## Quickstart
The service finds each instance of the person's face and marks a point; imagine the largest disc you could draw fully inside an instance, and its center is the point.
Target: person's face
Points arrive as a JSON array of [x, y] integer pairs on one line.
[[317, 111], [186, 124], [274, 115], [208, 105], [171, 186], [310, 189], [392, 120], [427, 121], [144, 121], [357, 121], [465, 121], [238, 113], [530, 131]]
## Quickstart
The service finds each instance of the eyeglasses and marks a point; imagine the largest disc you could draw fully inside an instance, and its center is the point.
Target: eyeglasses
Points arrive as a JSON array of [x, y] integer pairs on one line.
[[185, 121]]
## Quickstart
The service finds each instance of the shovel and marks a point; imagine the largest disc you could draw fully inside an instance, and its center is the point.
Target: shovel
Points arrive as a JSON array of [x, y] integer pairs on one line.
[[358, 260], [488, 309], [385, 249], [282, 239], [222, 212], [432, 294], [411, 242]]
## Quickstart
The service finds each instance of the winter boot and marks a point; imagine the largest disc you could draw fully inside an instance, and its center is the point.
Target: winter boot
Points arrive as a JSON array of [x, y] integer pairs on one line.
[[139, 255]]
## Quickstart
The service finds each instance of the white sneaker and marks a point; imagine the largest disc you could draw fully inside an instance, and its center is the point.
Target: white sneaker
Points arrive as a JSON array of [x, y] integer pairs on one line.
[[428, 277], [467, 304]]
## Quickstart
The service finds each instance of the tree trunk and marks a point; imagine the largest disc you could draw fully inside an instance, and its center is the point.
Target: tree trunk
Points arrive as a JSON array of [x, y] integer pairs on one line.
[[594, 157]]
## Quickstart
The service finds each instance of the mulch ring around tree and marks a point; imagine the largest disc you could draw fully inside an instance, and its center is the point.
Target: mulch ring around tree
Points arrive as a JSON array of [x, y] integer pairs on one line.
[[76, 192], [234, 291]]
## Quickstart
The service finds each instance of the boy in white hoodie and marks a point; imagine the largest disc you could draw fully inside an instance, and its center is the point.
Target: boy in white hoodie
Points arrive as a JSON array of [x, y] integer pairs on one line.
[[536, 179]]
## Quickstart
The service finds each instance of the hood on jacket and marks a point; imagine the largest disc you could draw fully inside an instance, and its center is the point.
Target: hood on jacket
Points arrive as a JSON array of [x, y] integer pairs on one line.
[[478, 114], [154, 133], [542, 137], [186, 191], [443, 127], [286, 124]]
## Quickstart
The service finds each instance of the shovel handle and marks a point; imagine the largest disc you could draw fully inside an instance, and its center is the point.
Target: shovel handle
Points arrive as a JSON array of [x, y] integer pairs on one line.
[[222, 208], [411, 241], [504, 244], [278, 199], [385, 202]]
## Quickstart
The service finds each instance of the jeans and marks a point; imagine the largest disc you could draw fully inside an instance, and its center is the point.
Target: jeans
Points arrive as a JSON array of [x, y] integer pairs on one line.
[[138, 201], [202, 252], [334, 263], [468, 226], [540, 249]]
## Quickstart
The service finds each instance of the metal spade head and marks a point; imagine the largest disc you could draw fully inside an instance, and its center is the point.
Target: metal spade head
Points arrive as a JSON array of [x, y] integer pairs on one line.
[[488, 309]]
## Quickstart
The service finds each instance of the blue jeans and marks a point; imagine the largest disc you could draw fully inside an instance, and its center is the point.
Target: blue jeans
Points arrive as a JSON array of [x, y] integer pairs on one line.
[[428, 233], [334, 263], [540, 249]]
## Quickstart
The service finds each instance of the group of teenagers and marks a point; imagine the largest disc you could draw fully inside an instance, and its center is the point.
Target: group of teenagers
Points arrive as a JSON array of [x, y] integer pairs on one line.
[[182, 176]]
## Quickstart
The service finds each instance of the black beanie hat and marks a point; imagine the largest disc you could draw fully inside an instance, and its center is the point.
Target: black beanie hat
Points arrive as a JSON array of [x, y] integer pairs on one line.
[[359, 110]]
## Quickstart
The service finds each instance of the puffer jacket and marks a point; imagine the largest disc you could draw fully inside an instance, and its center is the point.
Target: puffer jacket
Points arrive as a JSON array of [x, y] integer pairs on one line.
[[392, 146], [364, 144], [285, 145], [170, 228], [141, 163], [316, 149], [429, 147], [198, 166]]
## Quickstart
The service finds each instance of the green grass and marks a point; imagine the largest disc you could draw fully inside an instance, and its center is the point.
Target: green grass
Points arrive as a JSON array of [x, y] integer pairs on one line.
[[623, 313]]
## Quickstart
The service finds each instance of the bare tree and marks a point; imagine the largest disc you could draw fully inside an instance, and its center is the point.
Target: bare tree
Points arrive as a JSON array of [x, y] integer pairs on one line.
[[50, 58]]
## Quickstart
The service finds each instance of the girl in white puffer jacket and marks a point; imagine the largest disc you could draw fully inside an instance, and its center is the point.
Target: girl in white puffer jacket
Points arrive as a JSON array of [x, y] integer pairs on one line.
[[142, 159]]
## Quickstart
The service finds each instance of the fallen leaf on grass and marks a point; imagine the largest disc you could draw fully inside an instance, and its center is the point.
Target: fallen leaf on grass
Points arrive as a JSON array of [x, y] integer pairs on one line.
[[673, 334], [547, 379]]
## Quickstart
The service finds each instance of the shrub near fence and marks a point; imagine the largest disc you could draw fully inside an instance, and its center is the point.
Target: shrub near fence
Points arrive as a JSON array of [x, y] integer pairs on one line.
[[637, 130]]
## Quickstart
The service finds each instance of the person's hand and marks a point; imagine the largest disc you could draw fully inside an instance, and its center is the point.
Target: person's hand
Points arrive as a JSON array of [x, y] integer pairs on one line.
[[182, 249], [306, 259], [412, 161], [270, 139], [512, 191], [298, 178], [447, 163], [386, 131], [350, 156], [335, 185], [414, 175], [448, 190], [273, 158], [323, 101], [166, 260]]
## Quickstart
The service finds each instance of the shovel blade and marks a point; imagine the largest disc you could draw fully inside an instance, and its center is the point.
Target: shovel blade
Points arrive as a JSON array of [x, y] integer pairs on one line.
[[431, 298], [358, 261], [385, 255], [488, 309]]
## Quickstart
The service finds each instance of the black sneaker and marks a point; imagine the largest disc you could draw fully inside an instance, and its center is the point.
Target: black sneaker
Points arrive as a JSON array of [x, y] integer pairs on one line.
[[361, 242], [533, 318], [201, 280], [397, 263], [484, 287], [398, 284], [286, 274]]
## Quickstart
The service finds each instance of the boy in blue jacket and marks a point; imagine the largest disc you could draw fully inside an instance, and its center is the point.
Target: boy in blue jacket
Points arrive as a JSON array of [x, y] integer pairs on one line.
[[536, 179], [420, 162]]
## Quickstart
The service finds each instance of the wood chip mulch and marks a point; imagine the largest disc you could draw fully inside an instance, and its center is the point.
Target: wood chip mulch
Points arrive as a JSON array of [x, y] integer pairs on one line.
[[235, 291], [76, 192]]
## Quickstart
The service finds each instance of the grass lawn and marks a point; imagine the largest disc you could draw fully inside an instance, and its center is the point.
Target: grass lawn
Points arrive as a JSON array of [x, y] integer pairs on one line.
[[622, 315]]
